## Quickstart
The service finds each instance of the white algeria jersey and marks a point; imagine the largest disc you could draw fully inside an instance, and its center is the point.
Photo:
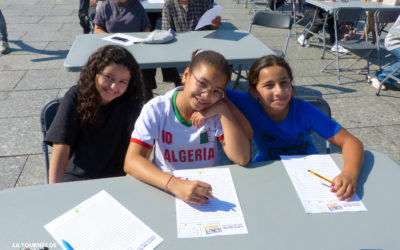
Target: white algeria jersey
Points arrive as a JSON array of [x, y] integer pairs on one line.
[[178, 144]]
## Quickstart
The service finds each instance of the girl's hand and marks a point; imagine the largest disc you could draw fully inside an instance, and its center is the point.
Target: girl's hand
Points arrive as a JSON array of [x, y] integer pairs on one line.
[[345, 186], [196, 192], [198, 117]]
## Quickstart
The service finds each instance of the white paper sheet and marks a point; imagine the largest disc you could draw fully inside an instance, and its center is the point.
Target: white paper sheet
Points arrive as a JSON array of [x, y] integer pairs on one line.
[[221, 216], [123, 39], [101, 222], [208, 16], [314, 192]]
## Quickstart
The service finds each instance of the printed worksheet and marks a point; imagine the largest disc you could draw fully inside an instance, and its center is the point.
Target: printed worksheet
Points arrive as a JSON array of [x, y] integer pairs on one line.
[[221, 216], [101, 222], [313, 191]]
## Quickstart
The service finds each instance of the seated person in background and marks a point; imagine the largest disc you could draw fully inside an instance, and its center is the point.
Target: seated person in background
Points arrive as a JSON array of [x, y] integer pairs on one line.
[[392, 44], [318, 24], [282, 123], [183, 15], [120, 16], [91, 130], [116, 16]]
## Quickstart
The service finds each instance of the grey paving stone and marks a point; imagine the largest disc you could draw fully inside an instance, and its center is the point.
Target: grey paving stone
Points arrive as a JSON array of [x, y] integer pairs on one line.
[[10, 169], [12, 2], [62, 92], [25, 103], [23, 19], [34, 27], [49, 36], [9, 79], [365, 112], [71, 27], [60, 19], [47, 79], [28, 7], [15, 35], [20, 136], [34, 172], [20, 47], [28, 62], [58, 47], [374, 139]]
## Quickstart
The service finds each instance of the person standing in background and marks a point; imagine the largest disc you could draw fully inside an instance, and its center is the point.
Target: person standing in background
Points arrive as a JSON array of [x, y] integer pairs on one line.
[[83, 14], [5, 49]]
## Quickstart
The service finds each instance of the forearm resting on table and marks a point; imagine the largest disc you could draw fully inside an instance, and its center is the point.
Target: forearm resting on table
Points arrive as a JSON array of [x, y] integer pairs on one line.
[[58, 162]]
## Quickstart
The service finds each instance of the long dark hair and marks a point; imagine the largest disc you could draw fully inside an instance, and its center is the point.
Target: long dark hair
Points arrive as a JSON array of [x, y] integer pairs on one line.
[[89, 100]]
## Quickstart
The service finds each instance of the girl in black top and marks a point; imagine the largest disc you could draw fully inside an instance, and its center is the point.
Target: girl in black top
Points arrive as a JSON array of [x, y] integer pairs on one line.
[[91, 130]]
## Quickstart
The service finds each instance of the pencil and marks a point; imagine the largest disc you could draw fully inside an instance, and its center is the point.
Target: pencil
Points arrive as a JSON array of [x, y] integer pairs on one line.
[[320, 176]]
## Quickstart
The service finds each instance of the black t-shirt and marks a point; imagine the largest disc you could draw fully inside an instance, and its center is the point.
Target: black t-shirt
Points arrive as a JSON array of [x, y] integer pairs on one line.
[[98, 150]]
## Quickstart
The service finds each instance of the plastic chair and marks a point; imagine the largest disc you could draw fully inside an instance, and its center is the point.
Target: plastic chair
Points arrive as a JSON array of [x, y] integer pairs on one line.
[[270, 20], [382, 18], [46, 118], [322, 145], [361, 47], [274, 20]]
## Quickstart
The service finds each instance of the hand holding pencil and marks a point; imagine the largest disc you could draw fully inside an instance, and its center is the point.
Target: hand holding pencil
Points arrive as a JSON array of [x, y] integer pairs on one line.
[[343, 185]]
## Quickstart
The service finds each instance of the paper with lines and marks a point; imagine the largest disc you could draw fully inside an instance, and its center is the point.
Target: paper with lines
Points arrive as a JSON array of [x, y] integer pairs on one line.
[[314, 192], [101, 222], [221, 216]]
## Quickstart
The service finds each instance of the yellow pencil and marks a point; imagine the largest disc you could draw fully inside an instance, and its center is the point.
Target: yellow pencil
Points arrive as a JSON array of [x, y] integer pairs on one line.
[[320, 176]]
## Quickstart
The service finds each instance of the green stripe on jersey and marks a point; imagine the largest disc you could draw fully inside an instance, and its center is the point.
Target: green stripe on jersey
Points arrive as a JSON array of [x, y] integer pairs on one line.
[[187, 124]]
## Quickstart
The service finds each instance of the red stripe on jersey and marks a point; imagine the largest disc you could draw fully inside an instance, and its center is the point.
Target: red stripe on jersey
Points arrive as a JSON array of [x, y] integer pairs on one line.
[[221, 137], [142, 143]]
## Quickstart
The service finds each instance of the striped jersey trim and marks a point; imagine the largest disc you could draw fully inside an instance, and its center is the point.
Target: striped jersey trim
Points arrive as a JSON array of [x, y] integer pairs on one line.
[[142, 143]]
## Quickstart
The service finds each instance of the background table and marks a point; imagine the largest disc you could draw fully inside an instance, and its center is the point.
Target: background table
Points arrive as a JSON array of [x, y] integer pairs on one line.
[[273, 213], [152, 7], [369, 5], [238, 47]]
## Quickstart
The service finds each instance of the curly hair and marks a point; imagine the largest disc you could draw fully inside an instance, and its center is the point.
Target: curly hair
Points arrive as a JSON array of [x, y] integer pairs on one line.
[[89, 99]]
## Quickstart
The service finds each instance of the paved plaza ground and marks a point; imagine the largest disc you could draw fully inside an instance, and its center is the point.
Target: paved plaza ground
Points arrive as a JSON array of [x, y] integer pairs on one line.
[[42, 31]]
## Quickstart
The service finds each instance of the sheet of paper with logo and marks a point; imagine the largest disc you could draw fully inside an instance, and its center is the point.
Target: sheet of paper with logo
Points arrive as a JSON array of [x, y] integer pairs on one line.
[[101, 222], [221, 216], [314, 192]]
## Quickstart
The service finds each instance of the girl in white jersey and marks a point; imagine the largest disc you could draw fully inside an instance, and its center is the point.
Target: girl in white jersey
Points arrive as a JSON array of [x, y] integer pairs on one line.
[[184, 125]]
